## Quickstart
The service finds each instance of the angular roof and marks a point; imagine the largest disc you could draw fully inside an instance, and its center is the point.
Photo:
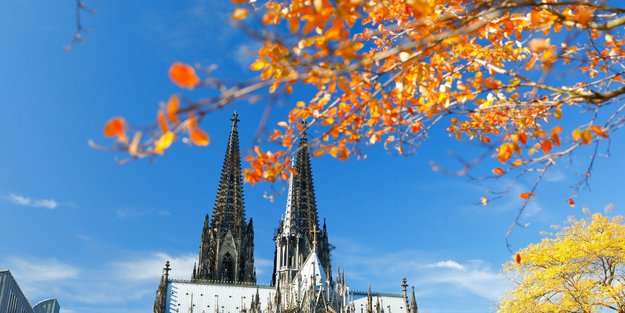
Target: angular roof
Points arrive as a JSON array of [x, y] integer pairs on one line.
[[311, 273]]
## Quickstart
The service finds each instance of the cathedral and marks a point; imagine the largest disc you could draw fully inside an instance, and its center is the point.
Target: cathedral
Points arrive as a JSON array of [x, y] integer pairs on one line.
[[224, 278]]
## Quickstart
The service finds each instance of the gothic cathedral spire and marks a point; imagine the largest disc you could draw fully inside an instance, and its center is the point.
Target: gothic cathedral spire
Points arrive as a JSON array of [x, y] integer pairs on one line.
[[227, 245], [300, 226]]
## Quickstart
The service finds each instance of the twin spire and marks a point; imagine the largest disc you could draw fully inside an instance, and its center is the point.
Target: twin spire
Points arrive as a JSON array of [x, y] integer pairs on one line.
[[227, 244], [301, 216], [299, 234]]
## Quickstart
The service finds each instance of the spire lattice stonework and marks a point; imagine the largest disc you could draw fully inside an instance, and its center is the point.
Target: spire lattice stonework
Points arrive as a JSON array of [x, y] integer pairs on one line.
[[227, 245], [300, 227]]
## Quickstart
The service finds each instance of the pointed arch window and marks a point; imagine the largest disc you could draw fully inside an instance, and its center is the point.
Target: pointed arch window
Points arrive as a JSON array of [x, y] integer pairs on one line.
[[227, 273]]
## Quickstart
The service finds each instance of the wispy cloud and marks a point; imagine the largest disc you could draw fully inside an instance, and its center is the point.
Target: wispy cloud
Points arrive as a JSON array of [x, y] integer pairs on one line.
[[37, 203], [32, 270], [149, 267], [125, 285], [263, 266], [133, 213], [475, 276], [446, 264], [436, 280]]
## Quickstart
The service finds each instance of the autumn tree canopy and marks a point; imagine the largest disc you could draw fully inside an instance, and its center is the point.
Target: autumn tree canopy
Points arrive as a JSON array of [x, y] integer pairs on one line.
[[580, 269], [530, 81]]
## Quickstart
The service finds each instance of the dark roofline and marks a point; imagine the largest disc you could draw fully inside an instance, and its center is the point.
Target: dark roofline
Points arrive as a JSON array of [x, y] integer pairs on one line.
[[221, 283], [377, 294]]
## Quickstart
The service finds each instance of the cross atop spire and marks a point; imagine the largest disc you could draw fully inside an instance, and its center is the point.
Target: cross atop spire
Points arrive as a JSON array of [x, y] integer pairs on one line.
[[166, 269], [234, 118]]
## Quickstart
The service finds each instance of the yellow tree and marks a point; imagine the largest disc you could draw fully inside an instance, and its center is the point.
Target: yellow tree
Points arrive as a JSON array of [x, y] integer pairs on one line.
[[581, 269]]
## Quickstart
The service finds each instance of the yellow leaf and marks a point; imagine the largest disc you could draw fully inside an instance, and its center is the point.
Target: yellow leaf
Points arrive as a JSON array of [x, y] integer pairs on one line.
[[258, 65], [577, 134], [164, 142], [240, 14], [484, 200]]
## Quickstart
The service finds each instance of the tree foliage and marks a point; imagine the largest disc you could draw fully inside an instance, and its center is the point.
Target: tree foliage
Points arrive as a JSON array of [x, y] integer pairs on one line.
[[581, 269], [531, 81]]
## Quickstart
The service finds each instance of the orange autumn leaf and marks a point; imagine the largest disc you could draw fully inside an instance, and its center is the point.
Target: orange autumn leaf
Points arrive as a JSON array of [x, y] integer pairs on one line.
[[115, 127], [522, 137], [491, 83], [546, 146], [571, 203], [498, 171], [191, 122], [184, 75], [599, 131], [518, 258], [583, 16], [199, 137], [173, 105], [164, 142], [526, 195], [162, 122], [530, 63]]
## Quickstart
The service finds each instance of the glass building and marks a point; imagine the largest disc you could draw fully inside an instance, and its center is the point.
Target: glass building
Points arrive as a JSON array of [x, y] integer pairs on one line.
[[13, 300]]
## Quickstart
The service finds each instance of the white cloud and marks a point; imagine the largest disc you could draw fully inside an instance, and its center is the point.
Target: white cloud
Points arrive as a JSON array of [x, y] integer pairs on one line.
[[149, 267], [37, 203], [476, 277], [474, 280], [446, 264], [30, 270], [263, 266], [125, 285]]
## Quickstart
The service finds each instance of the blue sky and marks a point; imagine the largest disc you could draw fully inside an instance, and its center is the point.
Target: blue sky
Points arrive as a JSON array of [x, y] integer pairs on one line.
[[77, 226]]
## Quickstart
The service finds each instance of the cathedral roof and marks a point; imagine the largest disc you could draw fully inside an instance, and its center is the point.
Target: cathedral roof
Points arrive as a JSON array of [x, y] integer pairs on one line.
[[311, 272]]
